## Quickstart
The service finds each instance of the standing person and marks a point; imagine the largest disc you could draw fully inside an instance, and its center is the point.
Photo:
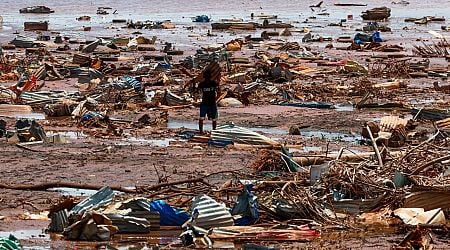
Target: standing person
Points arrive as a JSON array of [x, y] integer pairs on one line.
[[208, 106]]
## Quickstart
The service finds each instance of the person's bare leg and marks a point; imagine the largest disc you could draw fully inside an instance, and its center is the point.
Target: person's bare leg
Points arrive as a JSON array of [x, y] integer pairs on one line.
[[200, 125], [214, 124]]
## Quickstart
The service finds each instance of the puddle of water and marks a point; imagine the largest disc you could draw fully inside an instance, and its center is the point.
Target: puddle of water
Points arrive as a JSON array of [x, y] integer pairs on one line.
[[270, 131], [119, 241], [165, 142], [344, 108], [26, 234], [162, 237], [76, 191], [332, 136], [175, 124], [67, 134], [36, 116], [415, 101], [306, 149]]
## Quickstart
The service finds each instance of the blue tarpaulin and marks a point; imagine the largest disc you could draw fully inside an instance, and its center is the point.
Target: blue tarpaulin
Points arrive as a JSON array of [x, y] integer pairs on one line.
[[246, 206], [361, 38], [201, 19], [169, 216]]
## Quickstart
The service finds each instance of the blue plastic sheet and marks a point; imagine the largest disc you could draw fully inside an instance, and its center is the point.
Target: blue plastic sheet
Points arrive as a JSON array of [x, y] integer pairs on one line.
[[247, 206], [169, 216], [132, 82], [90, 115], [202, 19], [361, 38]]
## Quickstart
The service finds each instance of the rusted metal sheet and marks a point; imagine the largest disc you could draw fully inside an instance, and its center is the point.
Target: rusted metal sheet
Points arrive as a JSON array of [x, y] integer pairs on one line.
[[444, 124], [81, 60], [31, 26], [234, 25], [392, 122]]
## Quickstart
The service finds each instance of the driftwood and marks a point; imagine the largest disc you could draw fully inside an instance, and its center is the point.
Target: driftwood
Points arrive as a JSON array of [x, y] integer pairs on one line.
[[375, 147], [349, 157], [45, 186], [138, 190], [430, 163], [29, 149]]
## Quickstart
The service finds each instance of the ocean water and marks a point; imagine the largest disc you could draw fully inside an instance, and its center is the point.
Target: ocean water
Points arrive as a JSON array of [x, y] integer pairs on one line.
[[63, 21]]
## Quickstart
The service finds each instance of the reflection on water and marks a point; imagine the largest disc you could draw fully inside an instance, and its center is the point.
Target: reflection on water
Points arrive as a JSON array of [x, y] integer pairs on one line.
[[36, 116], [331, 136], [26, 234], [175, 124], [181, 11], [76, 191], [32, 239], [344, 107], [164, 142]]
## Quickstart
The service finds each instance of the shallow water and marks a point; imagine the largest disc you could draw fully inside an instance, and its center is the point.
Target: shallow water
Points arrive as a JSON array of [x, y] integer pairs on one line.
[[76, 191], [26, 234], [35, 116], [164, 142], [175, 124], [331, 136], [181, 11]]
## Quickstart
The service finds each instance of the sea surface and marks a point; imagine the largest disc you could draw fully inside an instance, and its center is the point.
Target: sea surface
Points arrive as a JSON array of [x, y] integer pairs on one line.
[[63, 21]]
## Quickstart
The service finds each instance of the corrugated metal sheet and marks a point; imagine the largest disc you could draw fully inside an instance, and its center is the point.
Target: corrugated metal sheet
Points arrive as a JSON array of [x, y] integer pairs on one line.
[[43, 97], [208, 213], [40, 73], [357, 206], [152, 217], [388, 123], [85, 74], [140, 207], [430, 114], [92, 46], [103, 197], [428, 200], [240, 135], [251, 86], [175, 100], [59, 221], [23, 42], [129, 224], [81, 59], [127, 82], [133, 216], [30, 26], [444, 124]]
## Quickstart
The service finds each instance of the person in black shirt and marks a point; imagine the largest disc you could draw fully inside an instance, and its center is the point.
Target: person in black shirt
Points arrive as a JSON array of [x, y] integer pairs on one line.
[[208, 106]]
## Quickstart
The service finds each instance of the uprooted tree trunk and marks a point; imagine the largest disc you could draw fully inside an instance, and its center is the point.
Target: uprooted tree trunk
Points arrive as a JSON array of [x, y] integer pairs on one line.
[[45, 186], [137, 190]]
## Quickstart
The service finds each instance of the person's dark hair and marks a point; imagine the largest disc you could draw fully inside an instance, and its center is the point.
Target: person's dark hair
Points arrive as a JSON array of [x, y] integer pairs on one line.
[[207, 74]]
